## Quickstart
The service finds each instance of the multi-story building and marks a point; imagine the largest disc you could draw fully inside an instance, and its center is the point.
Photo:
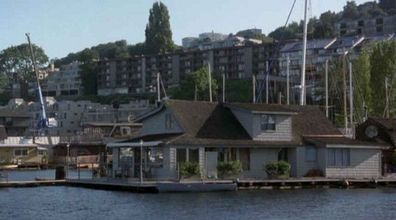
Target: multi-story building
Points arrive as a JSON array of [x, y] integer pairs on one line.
[[138, 75], [207, 41], [20, 117], [65, 81], [371, 26]]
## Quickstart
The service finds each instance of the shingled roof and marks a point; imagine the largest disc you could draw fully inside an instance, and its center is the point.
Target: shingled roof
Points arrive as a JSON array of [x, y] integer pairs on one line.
[[306, 121], [215, 124]]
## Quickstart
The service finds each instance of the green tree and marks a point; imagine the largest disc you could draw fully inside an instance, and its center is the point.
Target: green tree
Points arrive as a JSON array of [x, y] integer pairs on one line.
[[325, 26], [361, 76], [195, 86], [16, 64], [383, 66], [88, 71], [158, 30], [351, 10]]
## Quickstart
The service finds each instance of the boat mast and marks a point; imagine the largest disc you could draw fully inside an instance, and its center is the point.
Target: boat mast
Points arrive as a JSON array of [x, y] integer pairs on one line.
[[302, 94], [43, 121]]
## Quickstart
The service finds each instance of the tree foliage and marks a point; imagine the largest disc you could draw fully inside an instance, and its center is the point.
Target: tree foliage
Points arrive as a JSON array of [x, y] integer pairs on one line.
[[361, 79], [383, 67], [16, 64], [195, 86], [158, 30]]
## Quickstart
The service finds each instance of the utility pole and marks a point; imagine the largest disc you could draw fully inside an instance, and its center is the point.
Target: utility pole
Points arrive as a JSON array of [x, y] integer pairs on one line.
[[158, 87], [344, 93], [288, 80], [302, 94], [254, 88], [386, 111], [350, 96], [267, 83], [223, 88], [210, 82], [327, 87]]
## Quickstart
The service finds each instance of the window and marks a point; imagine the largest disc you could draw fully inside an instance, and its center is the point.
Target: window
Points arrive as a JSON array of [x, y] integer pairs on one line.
[[168, 121], [311, 154], [338, 157], [193, 155], [156, 157], [181, 156], [267, 123], [244, 157], [21, 152]]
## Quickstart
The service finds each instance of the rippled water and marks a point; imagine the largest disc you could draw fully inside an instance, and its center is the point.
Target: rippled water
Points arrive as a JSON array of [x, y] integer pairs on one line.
[[79, 203]]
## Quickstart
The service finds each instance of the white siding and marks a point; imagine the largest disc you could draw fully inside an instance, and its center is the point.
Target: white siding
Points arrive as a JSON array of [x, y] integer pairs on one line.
[[283, 130], [156, 124], [252, 124], [364, 163]]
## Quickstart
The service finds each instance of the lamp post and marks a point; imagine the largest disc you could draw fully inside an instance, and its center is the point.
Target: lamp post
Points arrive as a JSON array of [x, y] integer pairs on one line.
[[67, 159], [141, 161]]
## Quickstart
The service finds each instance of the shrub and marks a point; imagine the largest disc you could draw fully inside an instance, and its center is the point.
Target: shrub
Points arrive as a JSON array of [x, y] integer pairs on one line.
[[188, 169], [278, 168], [229, 168]]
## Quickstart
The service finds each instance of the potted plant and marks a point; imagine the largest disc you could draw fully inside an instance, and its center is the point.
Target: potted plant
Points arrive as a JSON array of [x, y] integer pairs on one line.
[[189, 170], [229, 169], [278, 170]]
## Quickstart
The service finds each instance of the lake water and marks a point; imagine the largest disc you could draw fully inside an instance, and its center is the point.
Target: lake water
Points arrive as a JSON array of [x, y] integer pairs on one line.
[[60, 202]]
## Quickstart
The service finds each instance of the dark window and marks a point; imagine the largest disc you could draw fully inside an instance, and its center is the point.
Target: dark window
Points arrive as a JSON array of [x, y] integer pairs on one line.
[[193, 155], [268, 123], [379, 29], [338, 157], [361, 23], [244, 157], [181, 155]]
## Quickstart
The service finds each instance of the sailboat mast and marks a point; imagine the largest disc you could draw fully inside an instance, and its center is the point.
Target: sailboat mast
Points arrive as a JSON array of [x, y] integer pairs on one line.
[[302, 96], [43, 121]]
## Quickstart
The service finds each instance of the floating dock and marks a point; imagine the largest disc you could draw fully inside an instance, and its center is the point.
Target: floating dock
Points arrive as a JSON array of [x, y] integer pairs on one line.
[[205, 185]]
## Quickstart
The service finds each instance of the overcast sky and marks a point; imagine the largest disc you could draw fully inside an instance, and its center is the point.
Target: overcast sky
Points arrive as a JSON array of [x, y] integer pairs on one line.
[[61, 27]]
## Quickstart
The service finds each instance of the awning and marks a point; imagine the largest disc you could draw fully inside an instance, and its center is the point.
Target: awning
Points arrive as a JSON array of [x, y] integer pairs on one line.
[[134, 144]]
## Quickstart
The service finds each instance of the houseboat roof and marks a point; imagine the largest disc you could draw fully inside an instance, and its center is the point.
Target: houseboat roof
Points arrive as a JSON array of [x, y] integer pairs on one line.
[[213, 123]]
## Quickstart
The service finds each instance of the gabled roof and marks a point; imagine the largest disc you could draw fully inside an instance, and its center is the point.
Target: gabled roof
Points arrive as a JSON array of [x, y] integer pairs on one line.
[[306, 120], [387, 123], [212, 123], [311, 44]]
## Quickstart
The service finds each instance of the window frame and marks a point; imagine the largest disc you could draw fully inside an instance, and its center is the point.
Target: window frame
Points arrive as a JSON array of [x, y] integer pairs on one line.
[[341, 157], [268, 123]]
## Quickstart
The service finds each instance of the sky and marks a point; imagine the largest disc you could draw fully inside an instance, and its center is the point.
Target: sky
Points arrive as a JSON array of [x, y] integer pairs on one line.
[[61, 27]]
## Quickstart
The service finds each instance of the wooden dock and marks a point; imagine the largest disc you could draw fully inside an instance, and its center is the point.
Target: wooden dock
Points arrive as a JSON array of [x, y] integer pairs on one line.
[[15, 184], [314, 183], [205, 185]]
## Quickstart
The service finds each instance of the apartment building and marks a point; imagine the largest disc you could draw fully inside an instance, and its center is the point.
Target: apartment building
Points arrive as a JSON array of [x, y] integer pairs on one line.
[[70, 115], [372, 26], [138, 75], [65, 81]]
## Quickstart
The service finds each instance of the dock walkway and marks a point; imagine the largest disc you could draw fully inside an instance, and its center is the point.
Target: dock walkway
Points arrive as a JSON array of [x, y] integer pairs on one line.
[[133, 185]]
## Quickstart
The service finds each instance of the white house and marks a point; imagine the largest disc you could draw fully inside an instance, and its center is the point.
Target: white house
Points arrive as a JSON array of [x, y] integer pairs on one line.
[[254, 134]]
